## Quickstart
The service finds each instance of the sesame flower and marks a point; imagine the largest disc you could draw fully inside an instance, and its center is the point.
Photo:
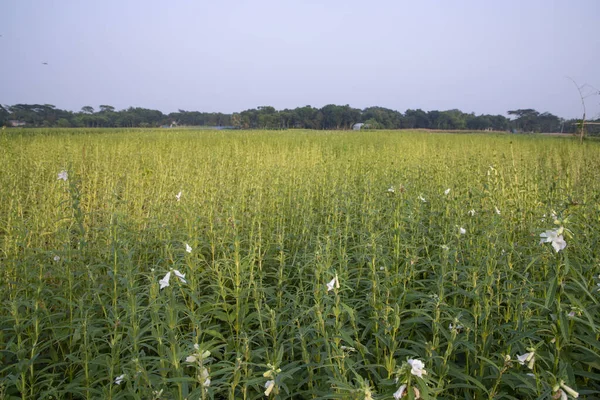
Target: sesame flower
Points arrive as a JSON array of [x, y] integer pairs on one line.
[[203, 377], [417, 368], [560, 394], [188, 248], [269, 385], [64, 175], [568, 390], [497, 210], [422, 199], [391, 189], [178, 196], [555, 237], [119, 379], [200, 359], [462, 230], [471, 212], [400, 392], [528, 358], [56, 258], [447, 191], [334, 283], [164, 282]]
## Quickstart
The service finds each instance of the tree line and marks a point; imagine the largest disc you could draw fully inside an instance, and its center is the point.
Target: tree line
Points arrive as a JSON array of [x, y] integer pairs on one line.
[[330, 116]]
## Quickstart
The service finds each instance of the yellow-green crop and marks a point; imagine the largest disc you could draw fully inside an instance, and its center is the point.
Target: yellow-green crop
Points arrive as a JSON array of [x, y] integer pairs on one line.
[[180, 264]]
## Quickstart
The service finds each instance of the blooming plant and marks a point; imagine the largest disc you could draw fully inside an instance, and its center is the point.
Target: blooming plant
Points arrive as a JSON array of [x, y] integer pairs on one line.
[[562, 391], [200, 359], [528, 358], [334, 283], [164, 282], [271, 374], [555, 237], [405, 375]]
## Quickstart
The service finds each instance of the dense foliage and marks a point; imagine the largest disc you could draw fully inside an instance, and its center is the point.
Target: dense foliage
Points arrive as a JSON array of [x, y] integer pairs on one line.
[[179, 264], [328, 117]]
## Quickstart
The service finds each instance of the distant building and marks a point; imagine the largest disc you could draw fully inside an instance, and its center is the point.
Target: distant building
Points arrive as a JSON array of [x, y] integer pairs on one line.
[[360, 125], [14, 122]]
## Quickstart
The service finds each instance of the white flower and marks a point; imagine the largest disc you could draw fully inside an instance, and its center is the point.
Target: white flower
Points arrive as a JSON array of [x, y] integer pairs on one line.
[[180, 276], [119, 379], [64, 175], [422, 199], [447, 191], [400, 392], [528, 358], [190, 359], [204, 377], [555, 237], [56, 258], [471, 212], [391, 190], [188, 248], [560, 394], [445, 248], [178, 196], [269, 385], [164, 282], [569, 390], [334, 283], [497, 211], [417, 368], [462, 230]]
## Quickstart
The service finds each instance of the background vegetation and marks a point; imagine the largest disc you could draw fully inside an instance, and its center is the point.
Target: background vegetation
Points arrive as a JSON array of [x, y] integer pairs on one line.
[[328, 117], [434, 239]]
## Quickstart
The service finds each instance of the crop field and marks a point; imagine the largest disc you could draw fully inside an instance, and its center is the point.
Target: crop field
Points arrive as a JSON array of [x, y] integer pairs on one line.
[[179, 264]]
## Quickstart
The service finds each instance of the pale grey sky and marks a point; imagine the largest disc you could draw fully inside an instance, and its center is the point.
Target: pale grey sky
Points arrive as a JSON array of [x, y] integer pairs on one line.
[[474, 55]]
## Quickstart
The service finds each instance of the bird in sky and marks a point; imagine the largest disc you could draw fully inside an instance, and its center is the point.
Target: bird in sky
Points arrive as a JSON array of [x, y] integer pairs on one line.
[[45, 63]]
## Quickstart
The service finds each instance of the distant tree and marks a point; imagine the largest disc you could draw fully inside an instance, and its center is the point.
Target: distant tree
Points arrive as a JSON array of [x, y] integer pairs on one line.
[[63, 123], [548, 122], [372, 123], [526, 119], [87, 109], [417, 118], [236, 120], [4, 115], [105, 108]]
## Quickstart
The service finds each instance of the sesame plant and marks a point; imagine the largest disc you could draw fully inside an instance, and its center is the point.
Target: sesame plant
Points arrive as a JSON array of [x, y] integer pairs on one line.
[[181, 264]]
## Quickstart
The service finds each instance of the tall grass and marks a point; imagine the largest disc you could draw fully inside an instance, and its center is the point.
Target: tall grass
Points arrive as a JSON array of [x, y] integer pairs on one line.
[[272, 218]]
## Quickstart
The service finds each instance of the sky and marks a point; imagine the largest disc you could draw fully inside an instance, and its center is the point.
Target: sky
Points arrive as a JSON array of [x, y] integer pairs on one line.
[[485, 57]]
